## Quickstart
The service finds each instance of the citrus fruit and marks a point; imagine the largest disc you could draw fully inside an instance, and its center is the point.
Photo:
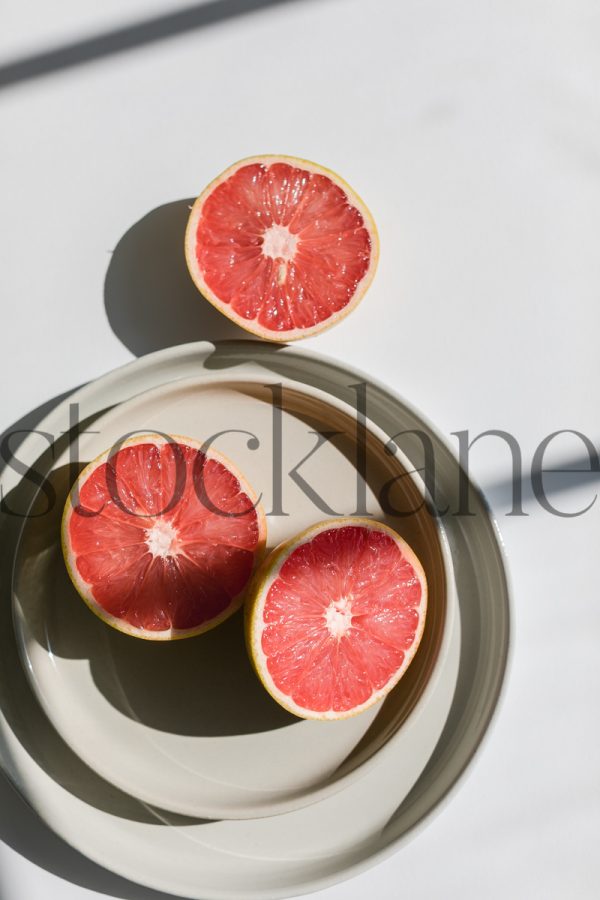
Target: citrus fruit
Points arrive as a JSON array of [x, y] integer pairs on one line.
[[282, 246], [160, 538], [335, 617]]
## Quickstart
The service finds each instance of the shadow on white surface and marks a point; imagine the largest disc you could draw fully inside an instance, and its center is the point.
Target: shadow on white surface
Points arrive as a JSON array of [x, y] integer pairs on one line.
[[150, 299], [542, 488], [128, 37]]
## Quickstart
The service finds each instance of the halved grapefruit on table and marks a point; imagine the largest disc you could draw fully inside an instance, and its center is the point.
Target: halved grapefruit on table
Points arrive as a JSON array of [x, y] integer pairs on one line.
[[335, 617], [160, 537], [282, 246]]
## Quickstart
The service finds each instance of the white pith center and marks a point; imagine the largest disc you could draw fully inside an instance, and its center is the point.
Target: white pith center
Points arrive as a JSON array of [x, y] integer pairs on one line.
[[279, 243], [338, 617], [161, 539]]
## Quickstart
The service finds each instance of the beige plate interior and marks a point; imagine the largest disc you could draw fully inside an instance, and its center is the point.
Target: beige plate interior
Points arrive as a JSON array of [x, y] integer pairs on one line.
[[186, 726]]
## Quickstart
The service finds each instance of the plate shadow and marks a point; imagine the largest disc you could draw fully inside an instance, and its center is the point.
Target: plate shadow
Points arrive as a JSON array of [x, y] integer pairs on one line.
[[23, 831]]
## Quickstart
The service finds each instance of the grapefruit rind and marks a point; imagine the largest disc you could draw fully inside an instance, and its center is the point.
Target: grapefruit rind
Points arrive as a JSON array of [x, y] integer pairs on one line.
[[268, 571], [250, 325], [83, 588]]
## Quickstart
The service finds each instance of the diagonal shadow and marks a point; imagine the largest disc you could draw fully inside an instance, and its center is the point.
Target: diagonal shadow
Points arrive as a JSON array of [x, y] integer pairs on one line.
[[541, 487], [127, 38]]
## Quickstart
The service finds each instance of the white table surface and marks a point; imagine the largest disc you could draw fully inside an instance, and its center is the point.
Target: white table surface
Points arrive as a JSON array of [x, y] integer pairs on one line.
[[472, 130]]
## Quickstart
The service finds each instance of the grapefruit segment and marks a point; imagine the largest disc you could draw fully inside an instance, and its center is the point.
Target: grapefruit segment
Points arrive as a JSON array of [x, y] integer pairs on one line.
[[282, 246], [335, 617], [160, 538]]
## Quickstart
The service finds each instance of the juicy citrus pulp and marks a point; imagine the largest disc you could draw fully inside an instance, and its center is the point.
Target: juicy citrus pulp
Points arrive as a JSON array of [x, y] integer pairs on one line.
[[282, 246], [160, 538], [335, 617]]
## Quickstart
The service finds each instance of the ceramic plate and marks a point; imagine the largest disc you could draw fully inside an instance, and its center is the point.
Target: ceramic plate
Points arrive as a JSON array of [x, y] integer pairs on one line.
[[187, 726], [306, 848]]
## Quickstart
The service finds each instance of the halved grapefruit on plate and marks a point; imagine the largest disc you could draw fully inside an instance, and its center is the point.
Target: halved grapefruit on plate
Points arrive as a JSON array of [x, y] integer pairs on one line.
[[160, 537], [335, 617], [282, 246]]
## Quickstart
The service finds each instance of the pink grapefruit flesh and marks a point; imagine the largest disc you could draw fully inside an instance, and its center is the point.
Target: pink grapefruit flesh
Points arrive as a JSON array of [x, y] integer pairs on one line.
[[282, 246], [160, 538], [335, 617]]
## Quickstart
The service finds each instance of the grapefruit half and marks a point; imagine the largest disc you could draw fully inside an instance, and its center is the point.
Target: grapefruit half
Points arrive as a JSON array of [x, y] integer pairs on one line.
[[160, 538], [335, 617], [282, 246]]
